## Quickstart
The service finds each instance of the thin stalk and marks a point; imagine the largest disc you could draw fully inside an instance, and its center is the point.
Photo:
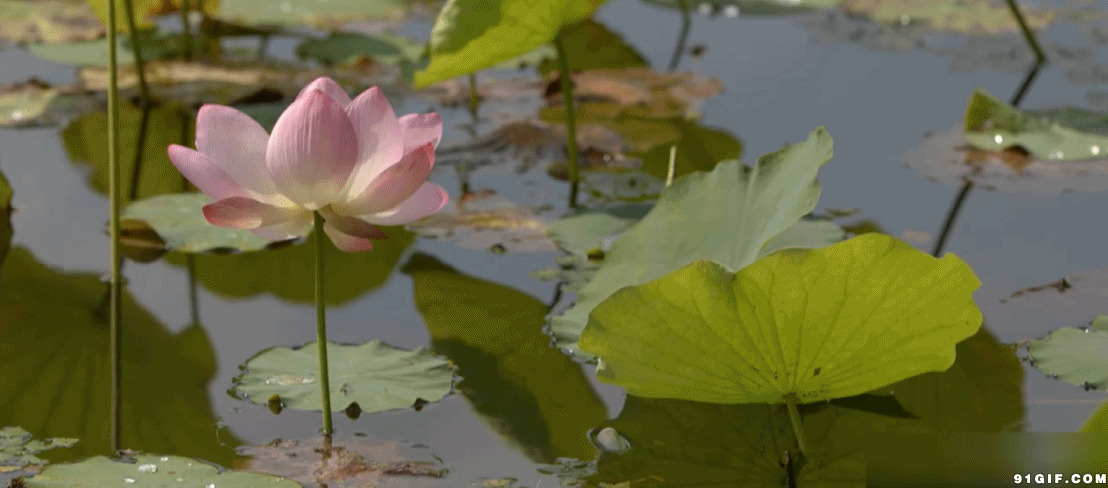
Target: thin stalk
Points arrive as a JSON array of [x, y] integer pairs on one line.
[[263, 46], [194, 300], [140, 144], [474, 98], [798, 427], [136, 51], [186, 29], [571, 121], [321, 326], [672, 164], [683, 37], [115, 282], [1027, 32]]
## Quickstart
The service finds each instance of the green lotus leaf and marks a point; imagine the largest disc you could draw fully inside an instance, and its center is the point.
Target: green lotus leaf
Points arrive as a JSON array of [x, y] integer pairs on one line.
[[530, 392], [731, 215], [54, 365], [349, 47], [288, 272], [149, 470], [178, 219], [810, 324], [18, 449], [471, 35], [1098, 421], [591, 230], [374, 375], [591, 45], [699, 148], [1055, 135], [314, 13], [1077, 356]]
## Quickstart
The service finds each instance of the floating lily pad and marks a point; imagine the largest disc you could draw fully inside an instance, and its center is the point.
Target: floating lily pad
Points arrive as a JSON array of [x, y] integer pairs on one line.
[[487, 221], [993, 125], [18, 449], [469, 35], [1073, 355], [34, 103], [288, 272], [178, 220], [750, 7], [314, 13], [54, 362], [591, 45], [48, 21], [528, 391], [349, 461], [85, 144], [956, 16], [149, 470], [800, 323], [733, 215], [374, 375], [353, 47]]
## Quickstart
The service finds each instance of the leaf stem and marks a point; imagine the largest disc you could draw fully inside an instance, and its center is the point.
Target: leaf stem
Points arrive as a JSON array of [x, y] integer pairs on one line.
[[474, 98], [672, 164], [136, 51], [321, 326], [1027, 32], [798, 426], [186, 29], [115, 324], [571, 120]]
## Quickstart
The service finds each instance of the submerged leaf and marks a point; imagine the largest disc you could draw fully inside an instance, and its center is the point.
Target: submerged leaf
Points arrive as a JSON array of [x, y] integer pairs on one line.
[[179, 222], [374, 375], [806, 324], [530, 392], [471, 35], [149, 470], [1077, 356], [732, 215]]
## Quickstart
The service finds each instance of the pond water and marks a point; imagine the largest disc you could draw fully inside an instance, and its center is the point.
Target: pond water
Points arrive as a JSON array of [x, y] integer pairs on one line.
[[782, 77]]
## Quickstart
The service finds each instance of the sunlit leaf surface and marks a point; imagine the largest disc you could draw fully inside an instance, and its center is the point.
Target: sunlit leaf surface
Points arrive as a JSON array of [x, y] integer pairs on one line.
[[1056, 135], [54, 367], [731, 215], [532, 393], [374, 375], [1078, 356], [810, 324], [471, 35], [150, 470]]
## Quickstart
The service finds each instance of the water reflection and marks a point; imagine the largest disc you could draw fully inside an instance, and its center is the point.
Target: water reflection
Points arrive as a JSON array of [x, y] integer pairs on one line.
[[54, 368], [531, 393]]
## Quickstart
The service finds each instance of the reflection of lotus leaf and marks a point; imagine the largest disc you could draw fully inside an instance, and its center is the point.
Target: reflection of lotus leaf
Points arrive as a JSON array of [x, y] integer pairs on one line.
[[54, 364], [732, 215], [806, 324], [149, 470], [527, 390], [1077, 356], [355, 461], [374, 375]]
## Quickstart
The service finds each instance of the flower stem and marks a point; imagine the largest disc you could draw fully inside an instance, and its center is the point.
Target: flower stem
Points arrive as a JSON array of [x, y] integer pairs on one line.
[[1027, 32], [571, 120], [474, 98], [682, 38], [115, 281], [321, 326], [144, 101], [186, 29], [798, 427]]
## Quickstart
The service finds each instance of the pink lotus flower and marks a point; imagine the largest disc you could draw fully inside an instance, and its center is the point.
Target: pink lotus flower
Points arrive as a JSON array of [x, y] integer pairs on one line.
[[353, 161]]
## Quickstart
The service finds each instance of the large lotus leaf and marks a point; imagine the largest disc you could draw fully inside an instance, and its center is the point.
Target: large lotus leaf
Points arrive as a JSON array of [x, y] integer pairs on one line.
[[149, 470], [178, 220], [981, 392], [810, 324], [1098, 421], [18, 449], [591, 45], [54, 367], [289, 272], [1077, 356], [374, 375], [315, 13], [48, 21], [471, 35], [592, 230], [993, 125], [751, 7], [5, 217], [532, 393], [731, 215], [85, 144]]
